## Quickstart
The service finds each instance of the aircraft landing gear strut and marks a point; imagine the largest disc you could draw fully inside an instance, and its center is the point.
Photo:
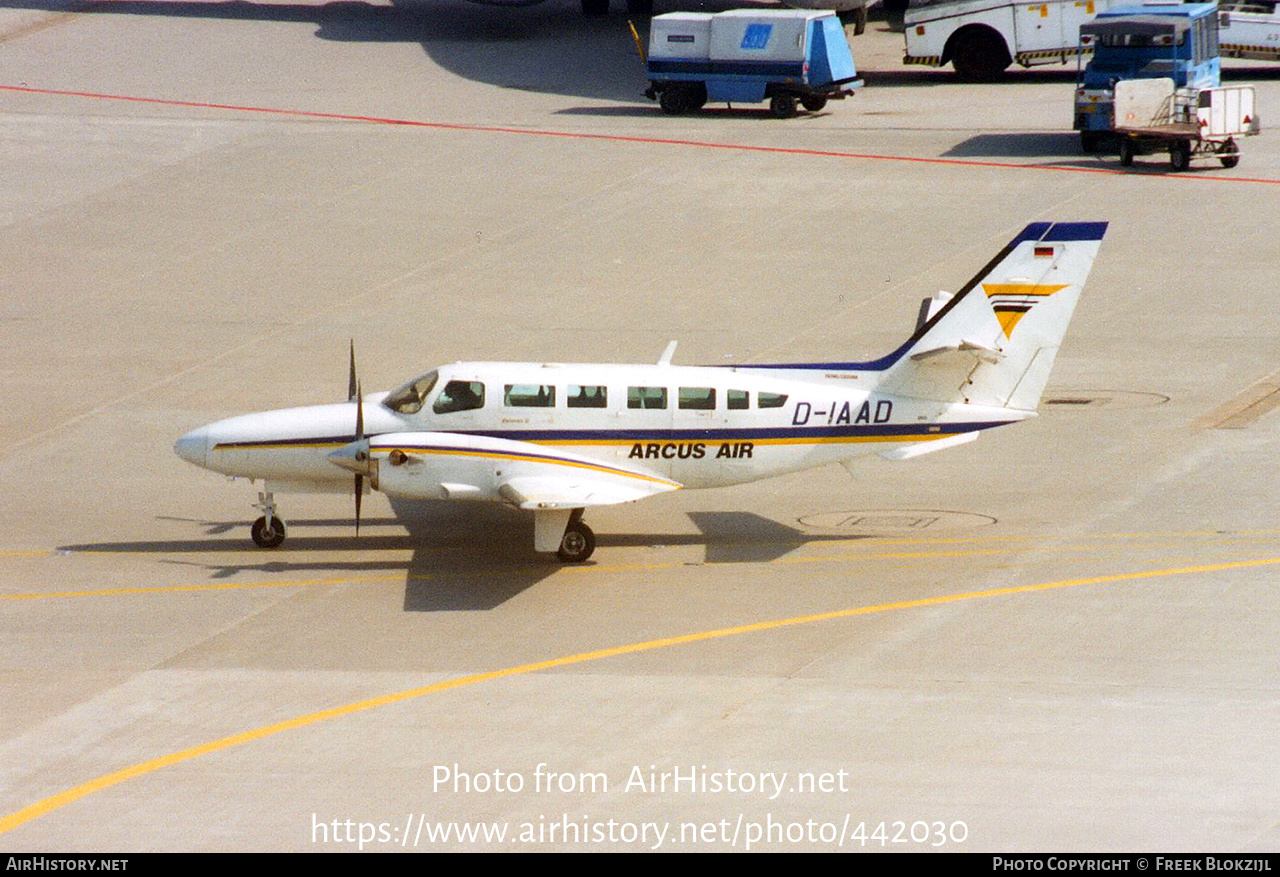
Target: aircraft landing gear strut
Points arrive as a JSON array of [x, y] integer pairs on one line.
[[578, 541], [268, 531]]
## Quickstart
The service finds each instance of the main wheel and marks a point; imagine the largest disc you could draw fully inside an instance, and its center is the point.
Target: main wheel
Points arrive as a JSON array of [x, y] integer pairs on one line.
[[1180, 155], [672, 100], [1126, 151], [814, 103], [783, 106], [1229, 153], [979, 55], [577, 544], [267, 535]]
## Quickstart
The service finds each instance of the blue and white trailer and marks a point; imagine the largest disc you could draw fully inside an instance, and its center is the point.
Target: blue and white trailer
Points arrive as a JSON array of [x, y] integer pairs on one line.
[[784, 56]]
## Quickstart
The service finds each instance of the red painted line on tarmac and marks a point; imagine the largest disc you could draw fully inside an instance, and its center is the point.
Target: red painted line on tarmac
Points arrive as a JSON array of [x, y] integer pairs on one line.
[[620, 138]]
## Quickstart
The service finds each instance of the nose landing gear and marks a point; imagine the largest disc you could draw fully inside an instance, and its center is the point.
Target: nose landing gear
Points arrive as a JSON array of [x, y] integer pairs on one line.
[[269, 530]]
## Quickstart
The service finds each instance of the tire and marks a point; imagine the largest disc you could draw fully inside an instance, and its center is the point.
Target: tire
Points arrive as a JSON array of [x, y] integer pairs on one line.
[[1126, 151], [783, 106], [577, 544], [695, 96], [1089, 141], [979, 55], [1180, 155], [813, 103], [672, 100], [1229, 154], [857, 17], [595, 8], [267, 537]]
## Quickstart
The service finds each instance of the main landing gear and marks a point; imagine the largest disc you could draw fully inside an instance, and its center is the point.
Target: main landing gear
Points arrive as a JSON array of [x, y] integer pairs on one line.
[[268, 531], [578, 542]]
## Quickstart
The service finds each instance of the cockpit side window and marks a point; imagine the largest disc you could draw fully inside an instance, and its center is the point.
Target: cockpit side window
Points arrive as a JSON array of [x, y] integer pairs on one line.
[[459, 396], [409, 398]]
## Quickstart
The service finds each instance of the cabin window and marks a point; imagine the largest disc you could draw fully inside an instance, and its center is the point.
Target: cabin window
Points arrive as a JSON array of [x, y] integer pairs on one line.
[[738, 400], [459, 396], [529, 396], [646, 397], [586, 397], [698, 398], [409, 398], [771, 400]]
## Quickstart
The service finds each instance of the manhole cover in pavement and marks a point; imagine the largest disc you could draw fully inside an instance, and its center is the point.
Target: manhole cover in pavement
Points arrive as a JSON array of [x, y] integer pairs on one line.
[[1092, 400]]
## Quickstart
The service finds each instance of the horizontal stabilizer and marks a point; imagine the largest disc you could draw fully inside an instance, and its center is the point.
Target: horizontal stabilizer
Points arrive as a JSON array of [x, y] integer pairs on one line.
[[907, 452]]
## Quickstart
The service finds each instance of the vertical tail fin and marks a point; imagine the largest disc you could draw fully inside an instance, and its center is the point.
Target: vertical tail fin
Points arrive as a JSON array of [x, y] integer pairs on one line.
[[994, 341]]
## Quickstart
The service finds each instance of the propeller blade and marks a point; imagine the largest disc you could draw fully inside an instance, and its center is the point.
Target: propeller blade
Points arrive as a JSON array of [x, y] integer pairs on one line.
[[359, 414], [352, 386], [359, 495], [362, 455]]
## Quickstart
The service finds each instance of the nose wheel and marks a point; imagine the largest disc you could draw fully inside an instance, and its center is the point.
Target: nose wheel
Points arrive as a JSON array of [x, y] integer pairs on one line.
[[268, 531]]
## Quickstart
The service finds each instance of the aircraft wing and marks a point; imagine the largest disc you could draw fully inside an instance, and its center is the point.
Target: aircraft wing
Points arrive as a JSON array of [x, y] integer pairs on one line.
[[442, 465]]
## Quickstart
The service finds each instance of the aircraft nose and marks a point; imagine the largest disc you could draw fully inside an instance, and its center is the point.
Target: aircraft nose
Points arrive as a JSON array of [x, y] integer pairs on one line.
[[193, 446]]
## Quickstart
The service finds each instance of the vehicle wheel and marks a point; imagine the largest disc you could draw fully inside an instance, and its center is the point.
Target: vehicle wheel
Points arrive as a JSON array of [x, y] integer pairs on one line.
[[1180, 155], [1089, 141], [814, 103], [595, 7], [1126, 151], [783, 106], [979, 55], [640, 7], [672, 100], [265, 536], [857, 17], [577, 544], [1229, 153], [695, 96]]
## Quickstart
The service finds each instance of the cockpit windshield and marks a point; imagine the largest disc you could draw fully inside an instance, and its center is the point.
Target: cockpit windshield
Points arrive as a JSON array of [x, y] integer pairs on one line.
[[409, 398]]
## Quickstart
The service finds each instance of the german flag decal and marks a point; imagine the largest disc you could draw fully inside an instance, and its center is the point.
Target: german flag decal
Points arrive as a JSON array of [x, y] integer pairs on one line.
[[1012, 301]]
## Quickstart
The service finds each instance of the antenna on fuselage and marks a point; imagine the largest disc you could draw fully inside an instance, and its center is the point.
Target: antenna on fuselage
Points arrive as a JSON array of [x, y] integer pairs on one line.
[[665, 359]]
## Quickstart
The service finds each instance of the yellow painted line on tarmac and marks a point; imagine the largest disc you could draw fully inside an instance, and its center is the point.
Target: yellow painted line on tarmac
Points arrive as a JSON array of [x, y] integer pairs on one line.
[[106, 781]]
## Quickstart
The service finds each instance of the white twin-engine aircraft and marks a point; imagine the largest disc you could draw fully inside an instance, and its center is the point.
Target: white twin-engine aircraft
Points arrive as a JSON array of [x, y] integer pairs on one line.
[[558, 438]]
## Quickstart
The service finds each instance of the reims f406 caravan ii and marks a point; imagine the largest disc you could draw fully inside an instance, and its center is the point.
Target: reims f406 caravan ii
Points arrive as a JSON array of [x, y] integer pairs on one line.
[[557, 439]]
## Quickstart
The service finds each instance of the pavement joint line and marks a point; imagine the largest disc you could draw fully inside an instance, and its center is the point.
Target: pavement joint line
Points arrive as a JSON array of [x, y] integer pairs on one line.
[[624, 138], [106, 781]]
